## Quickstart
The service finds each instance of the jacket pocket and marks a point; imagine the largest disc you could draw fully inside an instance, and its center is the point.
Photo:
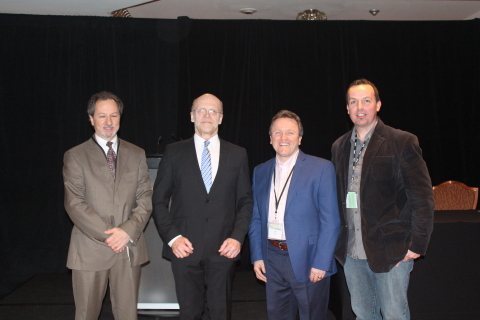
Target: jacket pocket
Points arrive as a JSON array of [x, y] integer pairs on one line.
[[396, 241], [382, 169]]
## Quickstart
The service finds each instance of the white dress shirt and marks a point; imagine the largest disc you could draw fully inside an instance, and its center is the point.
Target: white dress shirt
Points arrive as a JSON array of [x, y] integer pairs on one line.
[[282, 171], [213, 147], [103, 143]]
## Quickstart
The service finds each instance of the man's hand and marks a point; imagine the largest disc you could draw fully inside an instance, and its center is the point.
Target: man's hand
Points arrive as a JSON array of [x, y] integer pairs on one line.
[[182, 247], [259, 268], [230, 248], [409, 256], [317, 275], [118, 239]]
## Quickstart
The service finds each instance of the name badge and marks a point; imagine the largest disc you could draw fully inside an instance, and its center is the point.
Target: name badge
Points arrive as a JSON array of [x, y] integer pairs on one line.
[[275, 230], [352, 200]]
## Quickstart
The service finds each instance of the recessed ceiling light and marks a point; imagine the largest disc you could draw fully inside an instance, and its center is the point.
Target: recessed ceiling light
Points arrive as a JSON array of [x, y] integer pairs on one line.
[[248, 10], [312, 14], [374, 12]]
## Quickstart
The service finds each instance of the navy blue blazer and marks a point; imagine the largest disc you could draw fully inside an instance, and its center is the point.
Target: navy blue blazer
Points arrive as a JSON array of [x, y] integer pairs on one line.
[[311, 215]]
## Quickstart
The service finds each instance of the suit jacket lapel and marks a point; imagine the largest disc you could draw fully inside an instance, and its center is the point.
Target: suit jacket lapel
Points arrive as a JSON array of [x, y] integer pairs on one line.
[[100, 161], [192, 161], [374, 145], [122, 160], [296, 176], [222, 164], [343, 160], [265, 186]]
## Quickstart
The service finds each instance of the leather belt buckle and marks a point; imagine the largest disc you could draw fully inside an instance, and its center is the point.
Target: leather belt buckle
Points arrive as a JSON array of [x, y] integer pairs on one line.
[[282, 245]]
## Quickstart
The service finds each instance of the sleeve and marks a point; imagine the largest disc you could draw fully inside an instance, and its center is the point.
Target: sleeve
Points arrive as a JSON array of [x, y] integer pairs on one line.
[[327, 206], [162, 190], [143, 203], [418, 188], [255, 230], [82, 214], [244, 201]]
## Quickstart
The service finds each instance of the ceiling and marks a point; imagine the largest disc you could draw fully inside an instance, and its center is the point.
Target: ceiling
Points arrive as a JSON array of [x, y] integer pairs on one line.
[[266, 9]]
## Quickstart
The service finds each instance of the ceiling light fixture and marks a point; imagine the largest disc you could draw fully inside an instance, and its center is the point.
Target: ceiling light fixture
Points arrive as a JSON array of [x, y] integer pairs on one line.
[[248, 10], [312, 14], [374, 12]]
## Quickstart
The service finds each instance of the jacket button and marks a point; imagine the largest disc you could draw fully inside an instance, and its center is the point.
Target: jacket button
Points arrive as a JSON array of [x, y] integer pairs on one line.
[[207, 201]]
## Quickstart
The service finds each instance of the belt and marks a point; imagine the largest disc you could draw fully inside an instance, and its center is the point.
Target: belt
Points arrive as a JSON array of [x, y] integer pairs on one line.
[[282, 245]]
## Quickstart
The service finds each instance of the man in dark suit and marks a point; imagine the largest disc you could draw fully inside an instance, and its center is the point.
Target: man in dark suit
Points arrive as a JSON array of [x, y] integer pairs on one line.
[[295, 225], [207, 180], [386, 200], [108, 197]]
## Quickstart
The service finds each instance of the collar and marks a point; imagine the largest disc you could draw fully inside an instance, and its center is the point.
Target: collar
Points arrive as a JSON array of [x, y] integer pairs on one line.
[[369, 134], [289, 163], [200, 142], [103, 143]]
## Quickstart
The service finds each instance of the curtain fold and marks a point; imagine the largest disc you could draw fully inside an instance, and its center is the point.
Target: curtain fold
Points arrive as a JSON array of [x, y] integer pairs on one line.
[[428, 74]]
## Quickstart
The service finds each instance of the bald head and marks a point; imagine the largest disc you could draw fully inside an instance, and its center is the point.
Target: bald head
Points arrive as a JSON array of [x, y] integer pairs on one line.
[[207, 98], [207, 115]]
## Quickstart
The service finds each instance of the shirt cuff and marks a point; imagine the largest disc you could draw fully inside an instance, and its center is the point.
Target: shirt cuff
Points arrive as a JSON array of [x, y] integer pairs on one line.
[[173, 240]]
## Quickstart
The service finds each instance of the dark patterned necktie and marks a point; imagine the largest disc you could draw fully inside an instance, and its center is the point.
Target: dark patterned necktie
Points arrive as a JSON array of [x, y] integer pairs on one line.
[[111, 158]]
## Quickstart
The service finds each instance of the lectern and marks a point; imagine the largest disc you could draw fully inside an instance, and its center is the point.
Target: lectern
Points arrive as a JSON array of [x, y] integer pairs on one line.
[[157, 286]]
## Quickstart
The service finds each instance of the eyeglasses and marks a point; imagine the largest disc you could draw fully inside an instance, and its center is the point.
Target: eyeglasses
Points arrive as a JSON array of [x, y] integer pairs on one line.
[[211, 112]]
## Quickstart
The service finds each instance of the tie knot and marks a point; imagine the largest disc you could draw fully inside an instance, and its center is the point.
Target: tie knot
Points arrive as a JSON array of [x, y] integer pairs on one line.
[[207, 143], [109, 144]]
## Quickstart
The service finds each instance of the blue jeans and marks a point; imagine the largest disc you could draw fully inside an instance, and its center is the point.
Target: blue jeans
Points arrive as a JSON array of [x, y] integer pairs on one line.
[[378, 296]]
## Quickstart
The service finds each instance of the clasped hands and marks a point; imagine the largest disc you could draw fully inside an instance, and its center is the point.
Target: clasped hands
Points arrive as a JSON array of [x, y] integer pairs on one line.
[[118, 239], [182, 248]]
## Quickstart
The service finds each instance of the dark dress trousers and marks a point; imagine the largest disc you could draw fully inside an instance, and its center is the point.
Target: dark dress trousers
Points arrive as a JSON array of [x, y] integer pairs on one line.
[[205, 219], [396, 197]]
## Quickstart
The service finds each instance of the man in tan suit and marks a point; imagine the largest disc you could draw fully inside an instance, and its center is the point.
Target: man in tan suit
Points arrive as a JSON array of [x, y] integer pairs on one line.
[[108, 197]]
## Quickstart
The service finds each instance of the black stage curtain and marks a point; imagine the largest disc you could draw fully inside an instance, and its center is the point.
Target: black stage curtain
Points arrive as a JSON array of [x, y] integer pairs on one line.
[[428, 74], [49, 67]]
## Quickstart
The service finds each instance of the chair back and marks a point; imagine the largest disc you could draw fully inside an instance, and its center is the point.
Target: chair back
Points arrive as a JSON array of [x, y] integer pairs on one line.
[[454, 195]]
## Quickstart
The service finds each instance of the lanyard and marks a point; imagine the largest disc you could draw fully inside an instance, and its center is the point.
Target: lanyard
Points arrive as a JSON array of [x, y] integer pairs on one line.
[[277, 201], [356, 159]]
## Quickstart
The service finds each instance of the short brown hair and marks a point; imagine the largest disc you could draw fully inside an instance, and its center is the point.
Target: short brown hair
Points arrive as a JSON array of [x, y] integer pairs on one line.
[[103, 95], [364, 81], [287, 114]]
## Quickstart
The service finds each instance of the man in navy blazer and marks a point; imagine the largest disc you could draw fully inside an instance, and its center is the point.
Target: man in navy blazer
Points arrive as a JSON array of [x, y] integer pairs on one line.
[[295, 225]]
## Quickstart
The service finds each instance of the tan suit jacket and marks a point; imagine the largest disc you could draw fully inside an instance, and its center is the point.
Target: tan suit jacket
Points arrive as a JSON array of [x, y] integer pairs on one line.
[[96, 202]]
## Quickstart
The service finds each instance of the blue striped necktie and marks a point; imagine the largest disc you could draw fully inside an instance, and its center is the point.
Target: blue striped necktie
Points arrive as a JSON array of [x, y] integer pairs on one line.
[[206, 167]]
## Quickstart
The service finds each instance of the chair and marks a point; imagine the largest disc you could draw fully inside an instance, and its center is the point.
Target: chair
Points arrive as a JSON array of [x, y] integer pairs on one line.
[[454, 195]]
